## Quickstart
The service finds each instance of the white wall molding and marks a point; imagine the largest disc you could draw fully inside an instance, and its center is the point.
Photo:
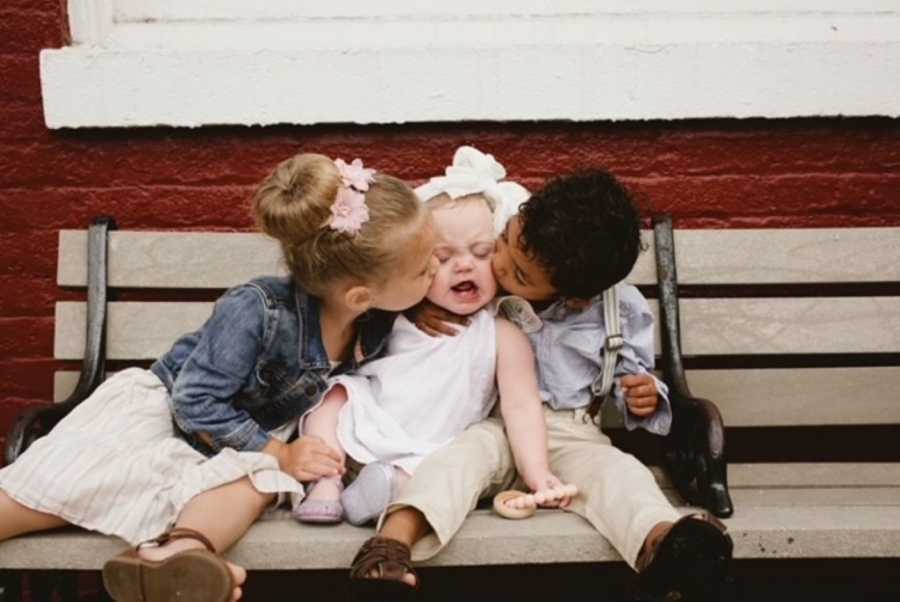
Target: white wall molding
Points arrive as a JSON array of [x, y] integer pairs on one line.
[[636, 60], [90, 21]]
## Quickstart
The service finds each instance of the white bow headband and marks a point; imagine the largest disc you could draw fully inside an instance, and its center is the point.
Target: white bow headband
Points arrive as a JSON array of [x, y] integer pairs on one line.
[[474, 172]]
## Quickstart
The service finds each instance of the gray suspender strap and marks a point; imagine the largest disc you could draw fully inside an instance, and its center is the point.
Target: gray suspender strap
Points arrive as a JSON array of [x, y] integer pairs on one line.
[[602, 385]]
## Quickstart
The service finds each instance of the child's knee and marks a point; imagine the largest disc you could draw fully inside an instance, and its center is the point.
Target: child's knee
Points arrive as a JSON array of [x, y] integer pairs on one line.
[[491, 450]]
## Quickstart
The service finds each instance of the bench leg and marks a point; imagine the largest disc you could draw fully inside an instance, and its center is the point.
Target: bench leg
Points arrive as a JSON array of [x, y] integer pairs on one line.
[[67, 587], [10, 586], [103, 595], [41, 584], [45, 584]]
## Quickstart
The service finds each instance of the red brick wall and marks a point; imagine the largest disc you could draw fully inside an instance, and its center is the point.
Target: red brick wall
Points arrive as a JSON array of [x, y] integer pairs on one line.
[[713, 173]]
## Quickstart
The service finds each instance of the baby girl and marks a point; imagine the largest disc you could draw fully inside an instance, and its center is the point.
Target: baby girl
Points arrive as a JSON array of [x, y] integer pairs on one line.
[[395, 411]]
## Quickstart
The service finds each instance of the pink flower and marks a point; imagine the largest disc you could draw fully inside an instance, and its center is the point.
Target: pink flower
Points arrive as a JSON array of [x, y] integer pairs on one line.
[[349, 211], [355, 174]]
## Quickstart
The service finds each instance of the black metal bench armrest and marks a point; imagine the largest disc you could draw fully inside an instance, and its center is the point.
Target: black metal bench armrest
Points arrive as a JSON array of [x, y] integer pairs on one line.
[[695, 449], [695, 453], [36, 422]]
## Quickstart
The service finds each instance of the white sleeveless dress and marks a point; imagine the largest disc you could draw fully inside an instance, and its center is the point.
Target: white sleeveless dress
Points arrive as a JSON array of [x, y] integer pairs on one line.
[[421, 395]]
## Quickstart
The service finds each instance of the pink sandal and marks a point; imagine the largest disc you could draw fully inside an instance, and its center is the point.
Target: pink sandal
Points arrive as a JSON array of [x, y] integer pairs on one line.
[[322, 512]]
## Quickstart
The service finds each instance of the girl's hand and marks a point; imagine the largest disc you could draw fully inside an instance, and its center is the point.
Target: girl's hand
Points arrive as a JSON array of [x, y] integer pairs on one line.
[[640, 392], [433, 319], [309, 458]]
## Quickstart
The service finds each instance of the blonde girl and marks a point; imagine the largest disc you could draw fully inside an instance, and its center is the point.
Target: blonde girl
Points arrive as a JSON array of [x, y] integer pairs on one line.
[[186, 455]]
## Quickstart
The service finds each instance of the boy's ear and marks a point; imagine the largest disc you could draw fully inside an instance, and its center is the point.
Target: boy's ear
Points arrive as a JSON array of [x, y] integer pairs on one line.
[[358, 298]]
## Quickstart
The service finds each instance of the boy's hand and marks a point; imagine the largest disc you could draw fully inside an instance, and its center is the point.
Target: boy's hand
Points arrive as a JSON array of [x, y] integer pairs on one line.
[[433, 320], [641, 396]]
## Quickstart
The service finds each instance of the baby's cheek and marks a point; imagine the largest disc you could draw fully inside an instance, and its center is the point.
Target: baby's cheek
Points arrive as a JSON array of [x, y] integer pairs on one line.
[[438, 285]]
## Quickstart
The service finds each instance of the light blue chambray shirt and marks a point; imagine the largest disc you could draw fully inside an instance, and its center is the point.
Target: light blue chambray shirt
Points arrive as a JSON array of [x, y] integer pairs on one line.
[[568, 346]]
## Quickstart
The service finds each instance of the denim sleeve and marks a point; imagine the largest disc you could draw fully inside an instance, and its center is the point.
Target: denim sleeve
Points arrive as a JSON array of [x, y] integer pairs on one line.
[[217, 370], [638, 357]]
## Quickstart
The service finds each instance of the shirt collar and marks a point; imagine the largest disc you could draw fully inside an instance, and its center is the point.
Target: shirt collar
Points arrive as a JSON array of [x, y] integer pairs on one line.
[[560, 310]]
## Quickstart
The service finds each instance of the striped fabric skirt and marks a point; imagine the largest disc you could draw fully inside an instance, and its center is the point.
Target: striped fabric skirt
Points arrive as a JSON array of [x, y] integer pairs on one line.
[[114, 464]]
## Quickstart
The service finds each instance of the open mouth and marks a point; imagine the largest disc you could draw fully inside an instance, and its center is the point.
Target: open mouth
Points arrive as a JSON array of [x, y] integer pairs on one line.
[[465, 289]]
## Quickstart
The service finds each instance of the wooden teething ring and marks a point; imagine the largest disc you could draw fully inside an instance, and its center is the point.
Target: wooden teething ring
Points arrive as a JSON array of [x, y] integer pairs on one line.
[[505, 511], [502, 507]]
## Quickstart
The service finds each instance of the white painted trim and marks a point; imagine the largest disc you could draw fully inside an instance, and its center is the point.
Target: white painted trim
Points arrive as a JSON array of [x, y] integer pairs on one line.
[[90, 21], [565, 66], [241, 10], [568, 31]]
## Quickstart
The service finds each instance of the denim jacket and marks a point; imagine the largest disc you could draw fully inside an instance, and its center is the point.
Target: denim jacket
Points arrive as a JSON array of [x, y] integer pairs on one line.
[[256, 364]]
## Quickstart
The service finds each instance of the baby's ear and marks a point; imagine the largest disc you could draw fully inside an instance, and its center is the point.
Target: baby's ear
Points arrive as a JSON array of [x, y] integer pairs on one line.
[[358, 298]]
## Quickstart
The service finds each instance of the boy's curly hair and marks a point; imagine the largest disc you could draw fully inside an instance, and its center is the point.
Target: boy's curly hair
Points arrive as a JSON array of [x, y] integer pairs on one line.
[[584, 229]]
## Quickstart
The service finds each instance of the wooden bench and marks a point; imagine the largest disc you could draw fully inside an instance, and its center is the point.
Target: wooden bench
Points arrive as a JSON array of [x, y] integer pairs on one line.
[[753, 330]]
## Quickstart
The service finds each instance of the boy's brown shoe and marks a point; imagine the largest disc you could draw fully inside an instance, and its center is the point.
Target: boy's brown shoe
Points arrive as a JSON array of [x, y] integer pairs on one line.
[[685, 561]]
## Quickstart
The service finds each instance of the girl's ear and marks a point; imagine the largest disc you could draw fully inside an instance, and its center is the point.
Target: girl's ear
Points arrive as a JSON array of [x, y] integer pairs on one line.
[[358, 298]]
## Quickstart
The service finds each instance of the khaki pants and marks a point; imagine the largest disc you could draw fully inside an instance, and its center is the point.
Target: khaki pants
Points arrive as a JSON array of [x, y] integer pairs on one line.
[[617, 494]]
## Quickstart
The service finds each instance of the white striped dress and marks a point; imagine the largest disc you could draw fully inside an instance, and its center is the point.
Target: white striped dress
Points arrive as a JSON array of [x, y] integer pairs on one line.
[[114, 464]]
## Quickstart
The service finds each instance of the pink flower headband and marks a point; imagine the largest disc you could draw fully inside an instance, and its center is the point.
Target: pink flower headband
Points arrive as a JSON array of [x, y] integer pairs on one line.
[[349, 211]]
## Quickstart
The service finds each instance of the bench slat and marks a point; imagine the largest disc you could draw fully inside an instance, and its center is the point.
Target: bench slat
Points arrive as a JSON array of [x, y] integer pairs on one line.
[[134, 330], [172, 259], [828, 510], [804, 475], [814, 474], [802, 396], [206, 259], [138, 330], [812, 496], [776, 397], [219, 260], [775, 256], [790, 325], [788, 531]]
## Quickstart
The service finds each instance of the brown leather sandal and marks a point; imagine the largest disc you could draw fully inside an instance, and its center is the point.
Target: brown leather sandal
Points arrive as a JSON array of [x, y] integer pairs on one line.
[[189, 576], [392, 561]]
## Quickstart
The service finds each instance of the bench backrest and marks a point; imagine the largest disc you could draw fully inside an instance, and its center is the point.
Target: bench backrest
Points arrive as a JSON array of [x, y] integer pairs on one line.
[[778, 327]]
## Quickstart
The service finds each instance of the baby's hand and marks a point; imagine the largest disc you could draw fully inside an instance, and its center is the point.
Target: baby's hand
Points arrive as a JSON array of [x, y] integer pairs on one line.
[[433, 319], [556, 497], [640, 392], [550, 492], [518, 504]]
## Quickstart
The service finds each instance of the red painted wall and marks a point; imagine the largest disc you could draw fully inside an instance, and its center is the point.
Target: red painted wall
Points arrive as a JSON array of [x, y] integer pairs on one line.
[[711, 173]]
